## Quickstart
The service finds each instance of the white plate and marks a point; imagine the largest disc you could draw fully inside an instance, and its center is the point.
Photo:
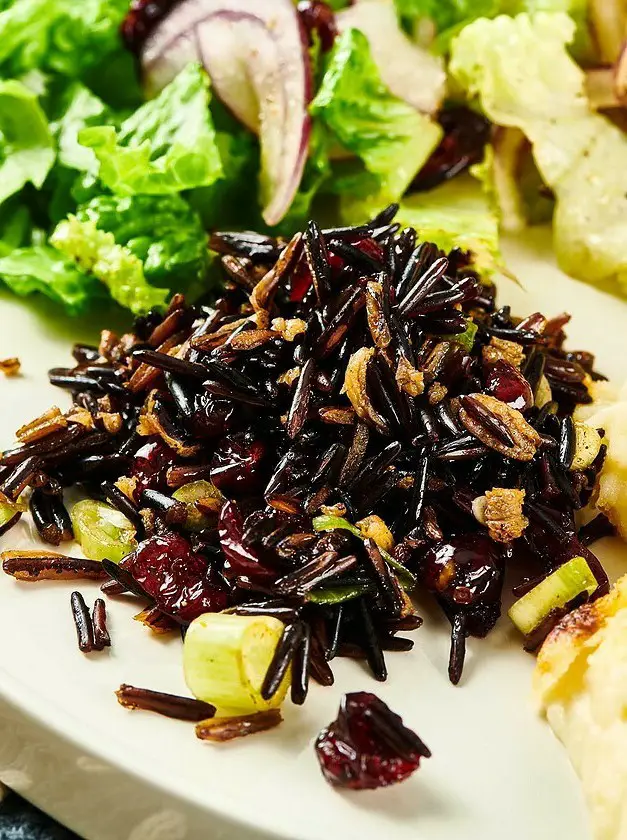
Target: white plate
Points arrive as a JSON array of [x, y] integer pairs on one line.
[[110, 774]]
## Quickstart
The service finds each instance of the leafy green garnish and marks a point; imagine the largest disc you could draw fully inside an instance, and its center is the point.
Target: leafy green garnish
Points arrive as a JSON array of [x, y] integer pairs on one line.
[[167, 146], [44, 270], [391, 138], [96, 252], [26, 146]]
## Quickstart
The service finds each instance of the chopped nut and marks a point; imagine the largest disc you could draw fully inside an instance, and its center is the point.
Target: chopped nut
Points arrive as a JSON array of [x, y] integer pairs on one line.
[[544, 394], [289, 329], [81, 416], [261, 319], [250, 339], [436, 393], [409, 379], [109, 342], [406, 483], [10, 367], [436, 358], [526, 438], [374, 528], [145, 426], [341, 416], [499, 349], [47, 423], [334, 510], [502, 513], [355, 386], [376, 319], [289, 377], [128, 486], [112, 421]]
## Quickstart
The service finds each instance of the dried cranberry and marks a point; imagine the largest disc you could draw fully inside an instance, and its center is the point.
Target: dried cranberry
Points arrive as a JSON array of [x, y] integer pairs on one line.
[[464, 571], [236, 465], [318, 17], [212, 417], [182, 583], [150, 465], [466, 134], [300, 281], [141, 19], [506, 383], [241, 558], [368, 746]]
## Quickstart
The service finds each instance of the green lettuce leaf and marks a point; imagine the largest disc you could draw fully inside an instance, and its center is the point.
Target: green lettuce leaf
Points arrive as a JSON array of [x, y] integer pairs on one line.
[[521, 73], [26, 145], [96, 253], [43, 270], [163, 232], [76, 109], [61, 36], [391, 138], [166, 146]]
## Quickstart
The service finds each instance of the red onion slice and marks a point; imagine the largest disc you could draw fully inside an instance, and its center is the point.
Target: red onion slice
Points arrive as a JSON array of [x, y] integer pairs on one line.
[[255, 52], [411, 73]]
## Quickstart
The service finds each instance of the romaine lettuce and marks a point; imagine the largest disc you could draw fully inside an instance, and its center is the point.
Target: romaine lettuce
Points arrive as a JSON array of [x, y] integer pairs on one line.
[[520, 71], [391, 138], [166, 146], [26, 144]]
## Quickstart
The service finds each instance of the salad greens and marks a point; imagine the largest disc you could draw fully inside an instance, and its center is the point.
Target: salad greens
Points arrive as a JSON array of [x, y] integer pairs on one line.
[[105, 193]]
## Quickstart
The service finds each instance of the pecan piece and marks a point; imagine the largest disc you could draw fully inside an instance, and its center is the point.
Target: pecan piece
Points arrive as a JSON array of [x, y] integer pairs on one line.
[[501, 511], [524, 438], [499, 349]]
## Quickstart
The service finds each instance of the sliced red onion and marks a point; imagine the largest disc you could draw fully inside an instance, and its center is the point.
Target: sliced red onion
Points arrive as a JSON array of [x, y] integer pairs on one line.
[[608, 19], [255, 52], [410, 72]]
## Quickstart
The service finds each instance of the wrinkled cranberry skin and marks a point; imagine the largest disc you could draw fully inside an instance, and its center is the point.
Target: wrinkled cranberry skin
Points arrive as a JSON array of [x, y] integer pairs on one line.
[[353, 755], [236, 466], [465, 571], [318, 17], [150, 465], [506, 383], [211, 417], [181, 582], [241, 559]]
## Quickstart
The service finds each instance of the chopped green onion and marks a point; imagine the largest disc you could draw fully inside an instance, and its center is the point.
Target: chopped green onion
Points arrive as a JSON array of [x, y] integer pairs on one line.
[[102, 531], [467, 338], [197, 491], [7, 512], [338, 594], [334, 523], [555, 591], [226, 658]]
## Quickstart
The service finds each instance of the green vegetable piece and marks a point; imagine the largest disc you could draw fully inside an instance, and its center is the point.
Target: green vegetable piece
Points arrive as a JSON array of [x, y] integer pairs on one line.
[[467, 338], [168, 145], [194, 492], [334, 523], [226, 657], [555, 591], [7, 513], [160, 230], [44, 270], [63, 36], [26, 146], [79, 108], [102, 531], [391, 138], [337, 594], [587, 445], [96, 252]]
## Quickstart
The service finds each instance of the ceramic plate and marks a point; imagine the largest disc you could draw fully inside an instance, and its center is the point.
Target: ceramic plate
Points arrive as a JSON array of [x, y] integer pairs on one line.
[[111, 774]]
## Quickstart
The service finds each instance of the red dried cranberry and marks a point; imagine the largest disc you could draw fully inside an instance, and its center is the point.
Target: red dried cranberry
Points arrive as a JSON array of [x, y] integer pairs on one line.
[[141, 19], [372, 248], [368, 746], [466, 134], [506, 383], [182, 583], [211, 417], [150, 465], [318, 17], [300, 281], [236, 465], [465, 570], [241, 559]]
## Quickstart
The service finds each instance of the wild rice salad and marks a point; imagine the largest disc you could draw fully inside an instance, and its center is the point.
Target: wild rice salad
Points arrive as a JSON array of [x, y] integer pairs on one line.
[[354, 417]]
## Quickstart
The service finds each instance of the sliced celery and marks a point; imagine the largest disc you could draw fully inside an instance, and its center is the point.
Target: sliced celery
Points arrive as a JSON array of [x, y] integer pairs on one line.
[[226, 658], [102, 531], [467, 338], [555, 591], [194, 492], [7, 512]]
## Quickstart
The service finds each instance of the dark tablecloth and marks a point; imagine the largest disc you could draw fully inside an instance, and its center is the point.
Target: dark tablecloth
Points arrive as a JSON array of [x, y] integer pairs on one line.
[[21, 821]]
